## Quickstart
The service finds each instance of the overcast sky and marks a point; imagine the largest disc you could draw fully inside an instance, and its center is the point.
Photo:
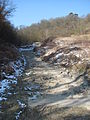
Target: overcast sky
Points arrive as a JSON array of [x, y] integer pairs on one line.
[[32, 11]]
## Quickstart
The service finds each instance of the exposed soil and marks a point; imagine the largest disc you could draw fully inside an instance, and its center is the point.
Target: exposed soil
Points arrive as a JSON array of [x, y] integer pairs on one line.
[[58, 92]]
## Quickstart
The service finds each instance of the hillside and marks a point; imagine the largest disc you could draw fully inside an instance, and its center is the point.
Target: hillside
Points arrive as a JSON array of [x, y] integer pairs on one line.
[[69, 25]]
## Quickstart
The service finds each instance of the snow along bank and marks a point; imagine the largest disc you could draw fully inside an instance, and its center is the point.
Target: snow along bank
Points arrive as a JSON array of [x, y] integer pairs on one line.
[[18, 67], [27, 48]]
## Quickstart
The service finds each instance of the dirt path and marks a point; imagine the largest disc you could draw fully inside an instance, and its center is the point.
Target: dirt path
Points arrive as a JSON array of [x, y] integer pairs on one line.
[[48, 85]]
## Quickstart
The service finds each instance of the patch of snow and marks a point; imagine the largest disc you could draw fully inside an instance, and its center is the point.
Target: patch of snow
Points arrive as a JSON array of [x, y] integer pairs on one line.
[[32, 87], [46, 47], [18, 67], [58, 55], [3, 98], [33, 91], [72, 47], [5, 84], [77, 55], [27, 48], [9, 93], [22, 105], [34, 97], [18, 115], [29, 73], [38, 52], [8, 76]]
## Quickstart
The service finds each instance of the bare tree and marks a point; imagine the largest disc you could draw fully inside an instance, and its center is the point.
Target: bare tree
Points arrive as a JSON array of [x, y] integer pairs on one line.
[[6, 9]]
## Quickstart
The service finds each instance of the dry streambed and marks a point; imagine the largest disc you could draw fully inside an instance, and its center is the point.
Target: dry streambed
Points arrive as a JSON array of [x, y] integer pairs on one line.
[[55, 84], [63, 71], [59, 77]]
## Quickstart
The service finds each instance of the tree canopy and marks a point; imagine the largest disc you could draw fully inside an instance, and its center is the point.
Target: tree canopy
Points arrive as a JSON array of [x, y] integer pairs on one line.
[[69, 25]]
